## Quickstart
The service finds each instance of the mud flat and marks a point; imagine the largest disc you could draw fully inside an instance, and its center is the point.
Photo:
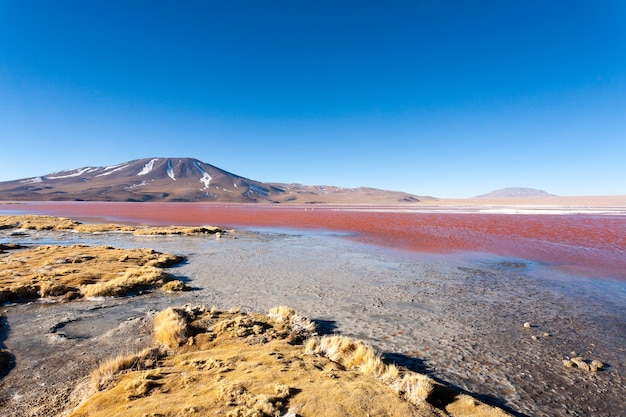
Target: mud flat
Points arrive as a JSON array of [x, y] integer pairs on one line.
[[458, 318]]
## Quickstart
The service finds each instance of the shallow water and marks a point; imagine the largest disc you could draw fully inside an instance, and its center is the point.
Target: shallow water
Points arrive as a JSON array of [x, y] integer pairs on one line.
[[458, 316], [590, 245]]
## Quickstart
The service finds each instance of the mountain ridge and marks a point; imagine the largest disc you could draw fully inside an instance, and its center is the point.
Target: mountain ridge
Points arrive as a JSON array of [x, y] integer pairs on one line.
[[181, 180], [515, 192]]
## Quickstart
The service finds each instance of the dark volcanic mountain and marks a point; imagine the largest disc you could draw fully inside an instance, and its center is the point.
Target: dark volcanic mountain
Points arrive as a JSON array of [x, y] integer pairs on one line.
[[179, 179], [516, 192]]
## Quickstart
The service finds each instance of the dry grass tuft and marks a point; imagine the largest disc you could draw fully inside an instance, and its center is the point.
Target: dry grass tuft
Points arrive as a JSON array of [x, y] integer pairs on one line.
[[104, 375], [132, 280], [281, 313], [141, 386], [413, 387], [170, 328], [349, 353], [464, 405], [356, 354], [175, 286], [391, 374], [300, 326]]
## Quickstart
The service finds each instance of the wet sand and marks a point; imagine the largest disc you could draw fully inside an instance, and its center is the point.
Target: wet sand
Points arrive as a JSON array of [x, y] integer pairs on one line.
[[458, 317]]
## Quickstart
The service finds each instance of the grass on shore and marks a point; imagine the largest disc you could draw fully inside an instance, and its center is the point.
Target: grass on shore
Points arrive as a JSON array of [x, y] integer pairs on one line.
[[81, 271], [35, 222], [210, 362]]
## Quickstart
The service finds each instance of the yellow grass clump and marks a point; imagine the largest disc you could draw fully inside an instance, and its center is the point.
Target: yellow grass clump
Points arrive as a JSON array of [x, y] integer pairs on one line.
[[35, 222], [300, 326], [349, 353], [216, 364], [170, 328], [281, 313], [175, 286], [414, 387], [104, 375], [80, 270], [133, 279]]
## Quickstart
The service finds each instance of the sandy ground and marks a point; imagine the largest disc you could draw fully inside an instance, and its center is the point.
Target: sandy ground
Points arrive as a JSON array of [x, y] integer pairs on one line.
[[613, 204], [459, 318]]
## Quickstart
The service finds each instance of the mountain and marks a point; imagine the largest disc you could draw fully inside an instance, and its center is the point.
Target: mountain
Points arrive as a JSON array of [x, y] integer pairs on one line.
[[516, 192], [180, 179]]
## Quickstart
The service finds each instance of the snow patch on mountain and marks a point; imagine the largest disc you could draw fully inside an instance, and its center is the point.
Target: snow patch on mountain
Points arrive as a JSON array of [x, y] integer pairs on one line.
[[148, 167], [256, 189], [142, 183], [32, 180], [76, 173], [114, 167], [170, 170], [110, 170], [206, 178]]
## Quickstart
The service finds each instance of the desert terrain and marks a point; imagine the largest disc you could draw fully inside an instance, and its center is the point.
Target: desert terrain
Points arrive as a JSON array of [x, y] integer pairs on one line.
[[565, 203]]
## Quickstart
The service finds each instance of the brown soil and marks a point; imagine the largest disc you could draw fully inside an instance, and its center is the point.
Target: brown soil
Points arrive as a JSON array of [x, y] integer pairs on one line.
[[569, 202]]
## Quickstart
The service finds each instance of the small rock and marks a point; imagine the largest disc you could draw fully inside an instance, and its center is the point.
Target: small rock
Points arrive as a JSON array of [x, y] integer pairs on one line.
[[527, 325], [580, 362], [533, 337], [568, 363], [546, 334], [596, 365]]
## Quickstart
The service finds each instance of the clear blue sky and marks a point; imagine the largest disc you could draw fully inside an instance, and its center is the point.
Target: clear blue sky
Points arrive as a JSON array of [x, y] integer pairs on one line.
[[435, 97]]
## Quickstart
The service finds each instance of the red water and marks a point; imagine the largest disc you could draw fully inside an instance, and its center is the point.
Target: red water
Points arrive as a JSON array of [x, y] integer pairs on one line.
[[588, 245]]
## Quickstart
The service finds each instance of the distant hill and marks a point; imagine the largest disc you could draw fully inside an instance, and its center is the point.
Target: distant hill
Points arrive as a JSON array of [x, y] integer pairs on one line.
[[184, 180], [516, 192]]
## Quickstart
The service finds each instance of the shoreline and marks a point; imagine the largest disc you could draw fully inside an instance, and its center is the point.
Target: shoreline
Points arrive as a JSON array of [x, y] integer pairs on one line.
[[587, 244], [609, 205]]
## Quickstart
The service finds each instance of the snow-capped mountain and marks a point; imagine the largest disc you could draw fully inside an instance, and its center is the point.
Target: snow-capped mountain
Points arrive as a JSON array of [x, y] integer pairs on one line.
[[178, 179], [154, 179]]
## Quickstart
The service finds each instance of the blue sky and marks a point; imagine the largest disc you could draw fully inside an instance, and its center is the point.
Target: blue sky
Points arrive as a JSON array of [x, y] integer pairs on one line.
[[436, 97]]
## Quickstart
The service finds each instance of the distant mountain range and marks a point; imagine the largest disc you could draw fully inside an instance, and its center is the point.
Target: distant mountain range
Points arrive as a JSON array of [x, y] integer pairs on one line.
[[184, 180], [516, 192]]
